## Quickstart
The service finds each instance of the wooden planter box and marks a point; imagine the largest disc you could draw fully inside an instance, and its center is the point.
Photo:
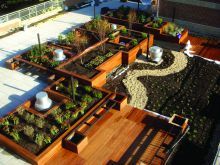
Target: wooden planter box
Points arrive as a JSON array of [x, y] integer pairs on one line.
[[179, 122], [155, 31], [135, 25], [58, 100], [12, 64], [120, 100], [169, 38], [54, 147], [75, 142], [130, 56]]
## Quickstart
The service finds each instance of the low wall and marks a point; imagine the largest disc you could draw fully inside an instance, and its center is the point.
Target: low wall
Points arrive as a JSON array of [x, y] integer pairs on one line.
[[9, 26]]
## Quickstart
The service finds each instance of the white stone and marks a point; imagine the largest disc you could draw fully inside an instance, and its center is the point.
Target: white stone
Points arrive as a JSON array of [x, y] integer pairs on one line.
[[42, 101], [58, 55], [114, 26]]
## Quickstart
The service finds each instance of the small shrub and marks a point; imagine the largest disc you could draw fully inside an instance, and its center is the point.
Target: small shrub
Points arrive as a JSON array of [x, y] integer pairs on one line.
[[67, 115], [29, 118], [29, 131], [15, 135], [59, 118], [97, 94], [83, 105], [144, 35], [87, 98], [4, 122], [124, 31], [54, 130], [111, 37], [47, 140], [39, 139], [75, 115], [39, 122], [70, 105], [54, 64], [87, 89], [134, 42]]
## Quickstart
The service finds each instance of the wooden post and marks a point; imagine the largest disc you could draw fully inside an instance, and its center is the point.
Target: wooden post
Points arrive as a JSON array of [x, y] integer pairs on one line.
[[138, 5], [174, 13], [148, 41], [39, 44], [73, 92]]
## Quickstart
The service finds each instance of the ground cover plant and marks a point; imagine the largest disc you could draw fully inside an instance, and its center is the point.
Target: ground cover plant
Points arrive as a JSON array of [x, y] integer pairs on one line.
[[125, 12], [35, 133], [156, 23], [173, 29], [193, 92]]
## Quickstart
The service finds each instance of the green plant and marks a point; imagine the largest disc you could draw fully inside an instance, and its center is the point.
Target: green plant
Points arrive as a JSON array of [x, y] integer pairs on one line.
[[39, 139], [97, 94], [87, 98], [75, 115], [67, 115], [28, 130], [124, 31], [87, 88], [109, 54], [54, 64], [111, 36], [4, 122], [144, 35], [83, 104], [70, 105], [59, 118], [15, 135], [134, 42], [39, 122], [29, 118], [47, 139], [6, 129], [54, 130]]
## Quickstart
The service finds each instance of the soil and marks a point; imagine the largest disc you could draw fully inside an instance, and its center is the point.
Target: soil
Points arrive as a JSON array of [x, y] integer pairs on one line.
[[193, 93], [79, 68]]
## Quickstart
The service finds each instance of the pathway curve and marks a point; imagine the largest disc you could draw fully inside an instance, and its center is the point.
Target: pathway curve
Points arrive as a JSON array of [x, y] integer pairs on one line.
[[137, 90]]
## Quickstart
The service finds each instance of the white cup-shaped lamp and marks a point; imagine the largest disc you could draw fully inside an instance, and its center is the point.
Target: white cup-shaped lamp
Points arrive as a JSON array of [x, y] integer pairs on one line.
[[42, 101], [114, 27], [58, 55], [156, 53]]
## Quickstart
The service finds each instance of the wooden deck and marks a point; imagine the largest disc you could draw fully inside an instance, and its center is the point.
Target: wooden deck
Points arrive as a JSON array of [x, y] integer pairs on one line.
[[129, 137], [208, 48]]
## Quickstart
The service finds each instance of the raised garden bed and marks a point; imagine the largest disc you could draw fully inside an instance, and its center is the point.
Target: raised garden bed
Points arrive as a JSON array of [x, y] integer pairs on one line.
[[36, 136], [93, 66], [131, 43], [121, 16]]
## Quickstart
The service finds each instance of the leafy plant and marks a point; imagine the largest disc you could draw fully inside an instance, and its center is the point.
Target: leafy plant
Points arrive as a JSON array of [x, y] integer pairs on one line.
[[39, 122], [4, 122], [54, 130], [54, 64], [87, 98], [47, 139], [134, 42], [111, 36], [59, 118], [39, 139], [97, 94], [144, 35], [87, 88], [29, 118], [75, 115], [28, 130], [67, 115], [70, 105], [15, 135], [124, 31]]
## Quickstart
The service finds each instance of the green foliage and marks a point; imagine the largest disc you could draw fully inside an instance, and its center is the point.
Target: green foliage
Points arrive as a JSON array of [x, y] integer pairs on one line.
[[70, 105], [83, 104], [15, 135], [124, 31], [144, 35], [87, 98], [87, 88], [29, 118], [4, 122], [54, 130], [75, 115], [28, 130], [142, 18], [172, 29], [67, 115], [59, 118], [134, 42], [54, 64], [39, 122], [111, 37], [39, 139], [97, 94], [47, 140]]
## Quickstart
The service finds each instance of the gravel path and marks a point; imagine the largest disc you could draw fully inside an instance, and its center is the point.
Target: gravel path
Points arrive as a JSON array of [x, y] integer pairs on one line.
[[137, 90]]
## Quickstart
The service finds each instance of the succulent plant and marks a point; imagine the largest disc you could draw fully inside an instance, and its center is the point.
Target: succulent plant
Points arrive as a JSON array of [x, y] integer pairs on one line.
[[29, 131], [54, 130], [39, 139], [15, 135], [39, 122]]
